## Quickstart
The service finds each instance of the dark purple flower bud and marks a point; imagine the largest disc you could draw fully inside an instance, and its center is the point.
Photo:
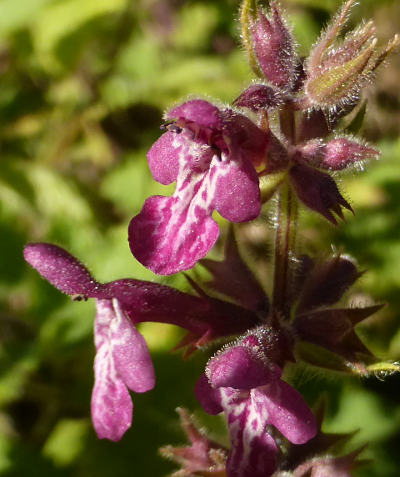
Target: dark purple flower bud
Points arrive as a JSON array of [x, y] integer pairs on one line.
[[318, 191], [260, 96], [274, 48], [342, 152]]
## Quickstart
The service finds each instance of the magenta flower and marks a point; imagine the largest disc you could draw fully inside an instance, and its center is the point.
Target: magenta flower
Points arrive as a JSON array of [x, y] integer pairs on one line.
[[123, 361], [247, 386], [211, 154]]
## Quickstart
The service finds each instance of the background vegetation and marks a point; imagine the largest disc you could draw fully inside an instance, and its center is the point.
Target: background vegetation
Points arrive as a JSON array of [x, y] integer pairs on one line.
[[83, 88]]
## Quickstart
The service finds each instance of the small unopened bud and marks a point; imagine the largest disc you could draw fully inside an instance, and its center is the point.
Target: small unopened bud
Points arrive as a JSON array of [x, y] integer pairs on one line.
[[274, 48], [342, 152], [260, 96]]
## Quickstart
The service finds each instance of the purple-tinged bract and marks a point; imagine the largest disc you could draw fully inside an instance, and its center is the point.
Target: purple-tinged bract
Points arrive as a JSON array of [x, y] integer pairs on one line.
[[202, 457], [318, 191]]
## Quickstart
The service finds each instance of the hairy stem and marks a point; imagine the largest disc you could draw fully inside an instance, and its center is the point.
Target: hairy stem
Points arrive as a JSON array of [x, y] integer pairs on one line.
[[285, 238]]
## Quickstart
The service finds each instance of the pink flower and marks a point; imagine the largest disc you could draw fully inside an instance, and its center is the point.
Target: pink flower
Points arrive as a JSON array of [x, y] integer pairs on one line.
[[211, 154], [122, 360], [247, 386]]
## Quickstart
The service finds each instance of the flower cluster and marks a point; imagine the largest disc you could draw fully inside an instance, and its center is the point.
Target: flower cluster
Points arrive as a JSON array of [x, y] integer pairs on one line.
[[244, 380], [287, 125], [123, 361]]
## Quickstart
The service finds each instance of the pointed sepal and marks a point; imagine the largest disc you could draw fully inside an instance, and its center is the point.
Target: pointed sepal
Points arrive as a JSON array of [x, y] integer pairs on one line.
[[232, 278], [318, 191], [203, 457]]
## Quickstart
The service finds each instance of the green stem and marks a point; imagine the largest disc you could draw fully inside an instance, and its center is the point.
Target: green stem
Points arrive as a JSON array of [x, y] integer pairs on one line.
[[285, 238]]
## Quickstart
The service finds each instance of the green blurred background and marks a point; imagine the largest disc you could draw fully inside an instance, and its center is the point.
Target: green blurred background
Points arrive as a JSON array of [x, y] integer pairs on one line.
[[83, 87]]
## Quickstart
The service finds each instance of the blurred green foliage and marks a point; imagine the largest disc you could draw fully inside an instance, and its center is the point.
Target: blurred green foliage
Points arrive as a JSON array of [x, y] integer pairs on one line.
[[83, 88]]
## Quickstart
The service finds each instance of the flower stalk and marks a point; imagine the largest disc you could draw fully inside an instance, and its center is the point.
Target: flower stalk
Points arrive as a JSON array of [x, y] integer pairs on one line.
[[284, 253]]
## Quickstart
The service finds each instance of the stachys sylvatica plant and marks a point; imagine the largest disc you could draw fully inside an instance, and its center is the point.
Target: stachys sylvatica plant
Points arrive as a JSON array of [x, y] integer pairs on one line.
[[285, 129]]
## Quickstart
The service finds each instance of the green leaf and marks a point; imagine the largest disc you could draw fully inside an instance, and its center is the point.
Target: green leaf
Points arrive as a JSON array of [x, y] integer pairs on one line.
[[14, 15], [67, 441]]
